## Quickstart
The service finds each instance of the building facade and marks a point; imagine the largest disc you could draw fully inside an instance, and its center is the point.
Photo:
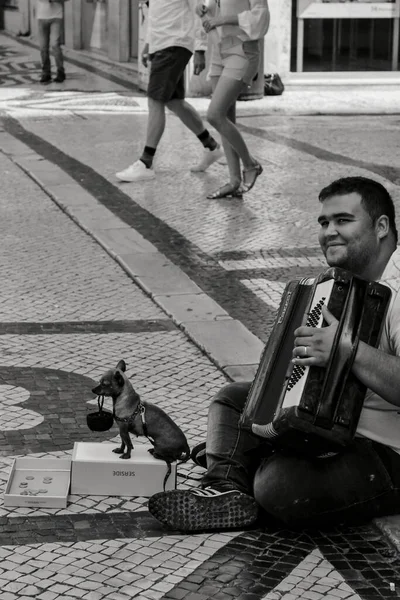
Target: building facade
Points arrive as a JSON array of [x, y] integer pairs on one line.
[[321, 37]]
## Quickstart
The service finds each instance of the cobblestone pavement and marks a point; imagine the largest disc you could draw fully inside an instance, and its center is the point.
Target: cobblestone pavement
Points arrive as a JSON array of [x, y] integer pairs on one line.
[[70, 310]]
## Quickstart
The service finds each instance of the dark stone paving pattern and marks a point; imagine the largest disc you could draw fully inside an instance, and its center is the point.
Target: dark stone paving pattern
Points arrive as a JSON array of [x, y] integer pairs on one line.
[[390, 173], [254, 563], [99, 327], [78, 528], [267, 253], [64, 410]]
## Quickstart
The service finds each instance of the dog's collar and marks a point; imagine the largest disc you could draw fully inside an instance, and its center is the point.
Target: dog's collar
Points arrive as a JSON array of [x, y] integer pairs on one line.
[[140, 409]]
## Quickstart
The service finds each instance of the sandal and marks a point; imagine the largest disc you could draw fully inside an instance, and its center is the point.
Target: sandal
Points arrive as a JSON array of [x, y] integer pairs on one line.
[[257, 170], [227, 191]]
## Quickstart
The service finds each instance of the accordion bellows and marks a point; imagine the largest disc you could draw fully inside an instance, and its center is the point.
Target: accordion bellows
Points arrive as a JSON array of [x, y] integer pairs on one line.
[[314, 409]]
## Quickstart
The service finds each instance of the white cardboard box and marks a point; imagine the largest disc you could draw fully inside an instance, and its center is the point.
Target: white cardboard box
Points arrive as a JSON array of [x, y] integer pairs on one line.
[[98, 471], [36, 470]]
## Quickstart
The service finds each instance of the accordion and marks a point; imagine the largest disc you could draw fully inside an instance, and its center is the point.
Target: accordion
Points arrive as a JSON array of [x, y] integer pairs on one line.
[[315, 410]]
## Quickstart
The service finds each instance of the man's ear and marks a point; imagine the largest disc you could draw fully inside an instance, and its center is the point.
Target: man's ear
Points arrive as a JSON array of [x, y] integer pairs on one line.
[[121, 366], [382, 226], [119, 380]]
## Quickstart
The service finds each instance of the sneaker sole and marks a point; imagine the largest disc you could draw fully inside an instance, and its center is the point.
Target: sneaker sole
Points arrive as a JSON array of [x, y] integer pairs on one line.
[[126, 180], [187, 512]]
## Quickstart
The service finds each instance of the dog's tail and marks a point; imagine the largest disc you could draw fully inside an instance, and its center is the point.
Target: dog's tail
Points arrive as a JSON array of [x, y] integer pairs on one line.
[[184, 457], [167, 474]]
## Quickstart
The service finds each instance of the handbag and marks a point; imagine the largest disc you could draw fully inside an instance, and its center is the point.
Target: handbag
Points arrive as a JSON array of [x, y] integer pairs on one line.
[[273, 85], [101, 420]]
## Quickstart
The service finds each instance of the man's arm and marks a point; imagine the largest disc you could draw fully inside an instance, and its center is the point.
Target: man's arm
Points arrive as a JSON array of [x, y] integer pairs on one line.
[[200, 38], [378, 370]]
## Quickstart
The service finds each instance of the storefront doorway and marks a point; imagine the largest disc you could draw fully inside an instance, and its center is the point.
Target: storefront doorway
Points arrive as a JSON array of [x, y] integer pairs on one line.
[[345, 36], [95, 25]]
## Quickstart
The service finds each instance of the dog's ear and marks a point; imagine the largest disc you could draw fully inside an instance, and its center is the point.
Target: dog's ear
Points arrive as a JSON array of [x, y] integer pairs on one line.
[[119, 379], [121, 366]]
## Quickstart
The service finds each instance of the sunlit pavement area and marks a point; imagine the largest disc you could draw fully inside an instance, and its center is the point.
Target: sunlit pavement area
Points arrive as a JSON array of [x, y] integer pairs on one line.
[[185, 290]]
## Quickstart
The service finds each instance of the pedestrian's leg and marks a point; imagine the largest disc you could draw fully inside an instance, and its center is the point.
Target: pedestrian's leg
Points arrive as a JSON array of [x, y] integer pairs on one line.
[[224, 499], [155, 130], [358, 484], [56, 38], [225, 94], [155, 122], [190, 117], [44, 43], [231, 189], [142, 168]]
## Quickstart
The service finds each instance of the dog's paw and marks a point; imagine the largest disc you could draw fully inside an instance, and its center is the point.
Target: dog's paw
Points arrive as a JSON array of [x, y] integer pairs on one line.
[[118, 450], [126, 455]]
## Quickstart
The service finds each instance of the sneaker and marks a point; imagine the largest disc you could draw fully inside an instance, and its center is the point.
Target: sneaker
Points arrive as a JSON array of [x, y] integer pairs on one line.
[[209, 157], [198, 455], [136, 172], [204, 509]]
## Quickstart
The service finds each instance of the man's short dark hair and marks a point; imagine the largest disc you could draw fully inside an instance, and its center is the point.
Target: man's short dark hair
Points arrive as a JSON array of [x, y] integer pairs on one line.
[[375, 198]]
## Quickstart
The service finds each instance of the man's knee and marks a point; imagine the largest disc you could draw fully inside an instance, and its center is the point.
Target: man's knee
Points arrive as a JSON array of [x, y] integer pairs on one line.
[[155, 105], [175, 105], [233, 395], [281, 489]]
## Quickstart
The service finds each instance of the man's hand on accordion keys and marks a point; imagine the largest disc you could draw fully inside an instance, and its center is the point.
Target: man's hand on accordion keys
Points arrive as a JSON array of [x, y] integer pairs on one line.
[[313, 345]]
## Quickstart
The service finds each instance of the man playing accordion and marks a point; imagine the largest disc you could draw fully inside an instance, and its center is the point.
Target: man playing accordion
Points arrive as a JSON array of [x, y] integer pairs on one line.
[[245, 473]]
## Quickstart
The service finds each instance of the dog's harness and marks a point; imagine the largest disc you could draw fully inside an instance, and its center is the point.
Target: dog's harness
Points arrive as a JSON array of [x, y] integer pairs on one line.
[[139, 410]]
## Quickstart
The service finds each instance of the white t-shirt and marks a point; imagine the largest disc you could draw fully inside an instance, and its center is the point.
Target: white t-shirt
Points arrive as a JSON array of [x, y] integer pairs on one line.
[[49, 10], [174, 23], [380, 420]]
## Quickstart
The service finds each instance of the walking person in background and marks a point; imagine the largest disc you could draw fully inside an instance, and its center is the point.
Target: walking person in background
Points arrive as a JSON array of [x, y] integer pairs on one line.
[[50, 18], [237, 28], [174, 32]]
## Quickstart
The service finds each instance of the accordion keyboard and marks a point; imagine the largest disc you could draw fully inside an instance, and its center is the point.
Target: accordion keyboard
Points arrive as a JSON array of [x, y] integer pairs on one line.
[[298, 375]]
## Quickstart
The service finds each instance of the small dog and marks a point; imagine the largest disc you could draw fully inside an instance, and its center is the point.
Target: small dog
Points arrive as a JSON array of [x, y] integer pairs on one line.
[[133, 415]]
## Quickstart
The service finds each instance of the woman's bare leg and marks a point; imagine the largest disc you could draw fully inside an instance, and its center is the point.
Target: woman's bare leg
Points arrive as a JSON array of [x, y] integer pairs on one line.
[[232, 156], [224, 96]]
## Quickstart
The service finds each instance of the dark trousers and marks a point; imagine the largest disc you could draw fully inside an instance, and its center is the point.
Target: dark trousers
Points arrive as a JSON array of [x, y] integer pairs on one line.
[[50, 35], [359, 483]]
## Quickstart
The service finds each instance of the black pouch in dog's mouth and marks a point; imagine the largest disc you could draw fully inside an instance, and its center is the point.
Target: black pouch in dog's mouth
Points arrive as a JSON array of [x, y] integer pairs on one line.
[[101, 420]]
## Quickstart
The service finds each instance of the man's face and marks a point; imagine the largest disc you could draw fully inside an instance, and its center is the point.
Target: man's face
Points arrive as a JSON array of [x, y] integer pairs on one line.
[[347, 236]]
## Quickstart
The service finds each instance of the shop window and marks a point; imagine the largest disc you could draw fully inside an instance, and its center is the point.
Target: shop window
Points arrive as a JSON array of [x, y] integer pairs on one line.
[[362, 43]]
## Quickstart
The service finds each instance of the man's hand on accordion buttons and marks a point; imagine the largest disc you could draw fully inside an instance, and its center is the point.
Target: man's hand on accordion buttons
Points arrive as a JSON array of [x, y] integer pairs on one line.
[[313, 345]]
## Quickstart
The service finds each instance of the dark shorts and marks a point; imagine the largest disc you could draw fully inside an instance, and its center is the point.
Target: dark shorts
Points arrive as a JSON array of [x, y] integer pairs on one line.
[[167, 74]]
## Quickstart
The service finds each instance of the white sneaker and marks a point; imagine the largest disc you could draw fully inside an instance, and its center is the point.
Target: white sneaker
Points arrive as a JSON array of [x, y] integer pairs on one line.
[[136, 172], [209, 157]]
